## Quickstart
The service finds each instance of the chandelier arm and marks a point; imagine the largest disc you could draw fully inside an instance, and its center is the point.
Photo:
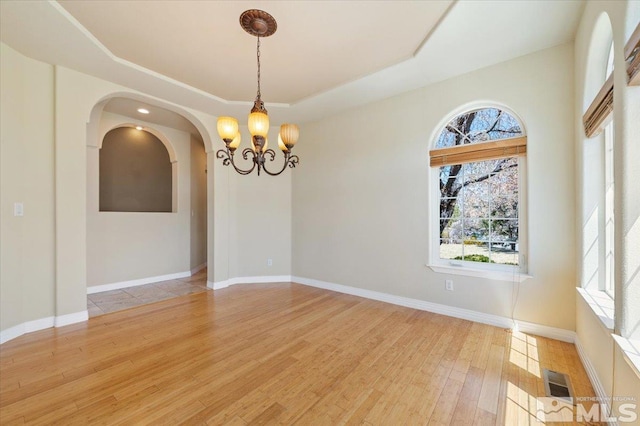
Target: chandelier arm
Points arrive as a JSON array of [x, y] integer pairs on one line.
[[227, 159], [293, 161], [224, 154], [244, 155], [289, 160], [271, 154]]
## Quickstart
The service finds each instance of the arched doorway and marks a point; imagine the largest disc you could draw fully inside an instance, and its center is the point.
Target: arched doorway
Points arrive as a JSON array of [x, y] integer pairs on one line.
[[144, 255]]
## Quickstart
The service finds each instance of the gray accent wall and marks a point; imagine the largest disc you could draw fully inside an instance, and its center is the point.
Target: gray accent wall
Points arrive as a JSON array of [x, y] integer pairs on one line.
[[135, 172]]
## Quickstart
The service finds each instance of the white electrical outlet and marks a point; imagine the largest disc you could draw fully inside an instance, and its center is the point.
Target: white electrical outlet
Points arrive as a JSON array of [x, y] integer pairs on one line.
[[269, 262], [448, 284]]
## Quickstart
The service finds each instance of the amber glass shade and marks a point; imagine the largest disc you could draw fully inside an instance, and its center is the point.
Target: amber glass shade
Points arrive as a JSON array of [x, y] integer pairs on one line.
[[227, 127], [281, 144], [235, 143], [289, 134], [258, 124]]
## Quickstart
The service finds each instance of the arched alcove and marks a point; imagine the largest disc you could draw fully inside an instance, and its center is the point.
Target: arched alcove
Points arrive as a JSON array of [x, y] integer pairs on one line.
[[158, 162], [135, 172]]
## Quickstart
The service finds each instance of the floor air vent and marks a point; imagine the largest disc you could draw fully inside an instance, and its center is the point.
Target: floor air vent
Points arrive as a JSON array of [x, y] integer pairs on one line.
[[557, 385]]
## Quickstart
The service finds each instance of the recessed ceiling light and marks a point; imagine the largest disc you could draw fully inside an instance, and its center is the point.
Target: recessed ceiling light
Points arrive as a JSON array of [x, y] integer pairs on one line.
[[138, 127], [143, 111]]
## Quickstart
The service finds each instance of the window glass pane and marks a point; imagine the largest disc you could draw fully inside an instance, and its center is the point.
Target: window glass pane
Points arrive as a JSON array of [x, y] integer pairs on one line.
[[449, 208], [482, 125], [448, 229], [479, 216], [450, 249], [475, 200], [476, 229]]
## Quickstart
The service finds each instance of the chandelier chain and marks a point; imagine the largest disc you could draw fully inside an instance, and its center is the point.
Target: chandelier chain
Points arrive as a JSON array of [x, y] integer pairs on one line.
[[258, 57]]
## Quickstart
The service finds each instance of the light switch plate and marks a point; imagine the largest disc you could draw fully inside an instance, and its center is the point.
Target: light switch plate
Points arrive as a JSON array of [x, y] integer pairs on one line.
[[18, 209]]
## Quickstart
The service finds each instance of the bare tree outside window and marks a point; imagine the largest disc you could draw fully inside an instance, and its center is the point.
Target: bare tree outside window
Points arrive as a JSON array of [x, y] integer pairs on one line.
[[479, 200]]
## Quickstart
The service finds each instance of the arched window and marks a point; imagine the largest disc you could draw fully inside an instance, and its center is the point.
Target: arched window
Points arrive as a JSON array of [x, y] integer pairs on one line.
[[135, 172], [478, 158]]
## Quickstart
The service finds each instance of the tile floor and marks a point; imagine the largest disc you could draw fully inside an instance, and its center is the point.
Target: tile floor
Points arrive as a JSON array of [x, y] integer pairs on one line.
[[117, 300]]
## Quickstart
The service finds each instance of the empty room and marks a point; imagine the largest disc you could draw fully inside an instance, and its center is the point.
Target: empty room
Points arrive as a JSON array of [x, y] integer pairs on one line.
[[320, 212]]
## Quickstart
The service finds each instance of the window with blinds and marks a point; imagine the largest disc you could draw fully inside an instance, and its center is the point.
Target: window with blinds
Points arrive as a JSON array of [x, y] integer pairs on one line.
[[478, 155]]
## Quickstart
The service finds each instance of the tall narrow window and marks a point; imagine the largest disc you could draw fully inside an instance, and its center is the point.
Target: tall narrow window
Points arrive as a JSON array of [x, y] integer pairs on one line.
[[479, 160]]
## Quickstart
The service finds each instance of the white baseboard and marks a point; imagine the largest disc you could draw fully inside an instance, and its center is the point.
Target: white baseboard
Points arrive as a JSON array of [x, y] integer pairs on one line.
[[249, 280], [198, 268], [67, 319], [41, 324], [134, 283], [597, 385], [495, 320]]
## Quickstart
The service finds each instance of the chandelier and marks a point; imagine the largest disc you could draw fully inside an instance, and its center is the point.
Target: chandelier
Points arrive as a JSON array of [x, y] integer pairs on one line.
[[259, 24]]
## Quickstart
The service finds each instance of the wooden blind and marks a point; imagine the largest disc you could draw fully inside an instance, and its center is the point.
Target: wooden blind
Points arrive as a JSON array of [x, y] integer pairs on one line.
[[599, 112], [482, 151], [632, 57]]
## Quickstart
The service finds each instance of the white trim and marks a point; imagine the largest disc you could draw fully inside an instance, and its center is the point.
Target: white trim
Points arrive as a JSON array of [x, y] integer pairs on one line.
[[67, 319], [217, 285], [599, 301], [198, 268], [592, 374], [630, 352], [26, 327], [134, 283], [11, 333], [42, 323], [479, 273], [39, 324]]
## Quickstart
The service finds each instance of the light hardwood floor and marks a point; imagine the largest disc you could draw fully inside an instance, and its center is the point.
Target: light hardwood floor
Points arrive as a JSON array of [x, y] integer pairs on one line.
[[278, 354]]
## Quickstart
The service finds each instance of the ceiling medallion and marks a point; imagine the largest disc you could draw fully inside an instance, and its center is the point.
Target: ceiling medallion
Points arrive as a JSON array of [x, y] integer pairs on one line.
[[257, 23]]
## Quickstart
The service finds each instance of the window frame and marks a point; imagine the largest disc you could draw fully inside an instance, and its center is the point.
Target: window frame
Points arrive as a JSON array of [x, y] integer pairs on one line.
[[606, 229], [496, 272]]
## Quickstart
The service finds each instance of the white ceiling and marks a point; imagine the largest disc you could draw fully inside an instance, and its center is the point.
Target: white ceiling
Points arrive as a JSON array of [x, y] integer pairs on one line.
[[157, 115], [326, 56], [202, 44]]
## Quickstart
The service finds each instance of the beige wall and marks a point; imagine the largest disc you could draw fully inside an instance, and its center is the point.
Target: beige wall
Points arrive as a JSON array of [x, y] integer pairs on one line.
[[360, 199], [27, 273], [124, 246], [259, 217], [198, 182]]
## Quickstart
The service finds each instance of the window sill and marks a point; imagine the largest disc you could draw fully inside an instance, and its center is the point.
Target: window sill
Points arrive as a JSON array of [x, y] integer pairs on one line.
[[631, 352], [601, 304], [480, 273]]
